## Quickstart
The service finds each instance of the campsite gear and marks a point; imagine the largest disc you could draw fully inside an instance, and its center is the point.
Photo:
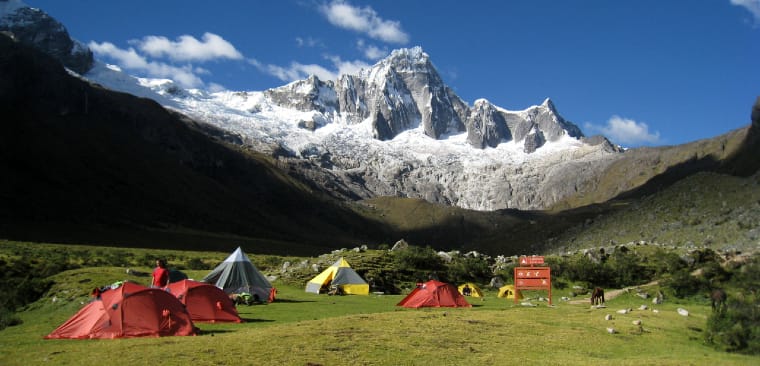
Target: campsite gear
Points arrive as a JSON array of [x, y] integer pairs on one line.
[[434, 294], [204, 302], [474, 290], [508, 291], [339, 274], [131, 310], [237, 275]]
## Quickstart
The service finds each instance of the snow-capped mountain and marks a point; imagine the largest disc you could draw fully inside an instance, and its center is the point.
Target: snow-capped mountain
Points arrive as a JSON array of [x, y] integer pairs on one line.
[[396, 130], [392, 129], [34, 26]]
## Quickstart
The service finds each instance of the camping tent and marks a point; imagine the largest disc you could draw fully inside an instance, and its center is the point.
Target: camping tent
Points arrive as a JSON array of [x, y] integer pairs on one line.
[[237, 275], [204, 302], [434, 294], [342, 275], [131, 310], [508, 291], [474, 290], [176, 275]]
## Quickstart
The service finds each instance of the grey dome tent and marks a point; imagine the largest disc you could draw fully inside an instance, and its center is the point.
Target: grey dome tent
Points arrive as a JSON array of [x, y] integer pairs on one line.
[[238, 275]]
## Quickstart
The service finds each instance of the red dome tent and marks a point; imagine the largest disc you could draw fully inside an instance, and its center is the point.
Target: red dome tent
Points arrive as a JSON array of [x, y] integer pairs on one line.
[[205, 302], [130, 310], [434, 294]]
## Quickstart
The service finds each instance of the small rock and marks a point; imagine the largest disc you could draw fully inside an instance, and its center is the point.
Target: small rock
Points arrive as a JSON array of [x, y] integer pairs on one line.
[[637, 322], [608, 317], [683, 311], [611, 330], [623, 311], [643, 307]]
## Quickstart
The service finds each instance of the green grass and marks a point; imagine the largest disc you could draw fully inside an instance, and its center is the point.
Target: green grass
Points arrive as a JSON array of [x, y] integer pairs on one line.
[[304, 328]]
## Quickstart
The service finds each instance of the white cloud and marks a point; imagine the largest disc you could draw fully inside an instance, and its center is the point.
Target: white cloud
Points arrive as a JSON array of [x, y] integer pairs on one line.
[[188, 48], [130, 59], [348, 67], [294, 71], [371, 52], [753, 6], [626, 131], [308, 42], [364, 20], [297, 71]]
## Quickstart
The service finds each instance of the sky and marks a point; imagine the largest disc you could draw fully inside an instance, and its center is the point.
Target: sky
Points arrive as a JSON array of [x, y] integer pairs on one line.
[[641, 72]]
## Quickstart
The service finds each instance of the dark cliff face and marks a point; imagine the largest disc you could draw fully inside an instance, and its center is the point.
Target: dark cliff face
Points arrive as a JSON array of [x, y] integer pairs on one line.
[[35, 28]]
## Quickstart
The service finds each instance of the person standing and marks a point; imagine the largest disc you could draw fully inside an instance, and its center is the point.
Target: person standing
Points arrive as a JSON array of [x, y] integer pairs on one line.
[[160, 274]]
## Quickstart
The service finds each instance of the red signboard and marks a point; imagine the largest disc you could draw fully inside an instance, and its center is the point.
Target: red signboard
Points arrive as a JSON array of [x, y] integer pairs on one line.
[[532, 272], [529, 261], [532, 282], [533, 278]]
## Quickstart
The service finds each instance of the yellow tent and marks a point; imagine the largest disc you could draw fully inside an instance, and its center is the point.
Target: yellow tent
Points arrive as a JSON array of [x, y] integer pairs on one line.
[[339, 274], [474, 290], [508, 291]]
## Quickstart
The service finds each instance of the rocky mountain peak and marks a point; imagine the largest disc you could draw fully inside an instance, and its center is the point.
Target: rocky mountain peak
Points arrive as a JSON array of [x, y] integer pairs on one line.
[[36, 28]]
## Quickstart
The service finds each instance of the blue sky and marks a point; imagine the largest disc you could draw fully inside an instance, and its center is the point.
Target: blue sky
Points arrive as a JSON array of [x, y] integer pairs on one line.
[[641, 72]]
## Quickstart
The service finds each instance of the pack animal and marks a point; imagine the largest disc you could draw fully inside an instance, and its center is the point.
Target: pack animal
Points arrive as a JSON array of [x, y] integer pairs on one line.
[[597, 297], [718, 298]]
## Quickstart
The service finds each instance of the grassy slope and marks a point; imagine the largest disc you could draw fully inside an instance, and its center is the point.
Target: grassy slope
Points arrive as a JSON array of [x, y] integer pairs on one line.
[[305, 328]]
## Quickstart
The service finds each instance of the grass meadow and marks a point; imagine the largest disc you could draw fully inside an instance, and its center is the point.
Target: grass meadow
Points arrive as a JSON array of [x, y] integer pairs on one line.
[[308, 329]]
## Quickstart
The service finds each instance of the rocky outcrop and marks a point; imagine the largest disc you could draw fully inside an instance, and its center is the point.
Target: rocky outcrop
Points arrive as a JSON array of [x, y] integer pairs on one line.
[[34, 27], [486, 126]]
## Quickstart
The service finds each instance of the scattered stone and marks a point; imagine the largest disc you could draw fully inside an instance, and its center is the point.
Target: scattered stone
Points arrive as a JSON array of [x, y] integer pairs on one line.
[[611, 330], [655, 311], [528, 303], [643, 307], [643, 295], [400, 245], [637, 322], [608, 317], [623, 311], [565, 298], [683, 311]]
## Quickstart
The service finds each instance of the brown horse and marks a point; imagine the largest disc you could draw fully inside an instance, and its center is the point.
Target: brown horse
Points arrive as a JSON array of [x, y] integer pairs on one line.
[[718, 298], [597, 297]]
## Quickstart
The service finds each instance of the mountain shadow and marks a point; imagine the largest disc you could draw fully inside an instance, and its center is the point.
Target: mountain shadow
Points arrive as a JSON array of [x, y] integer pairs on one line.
[[82, 164]]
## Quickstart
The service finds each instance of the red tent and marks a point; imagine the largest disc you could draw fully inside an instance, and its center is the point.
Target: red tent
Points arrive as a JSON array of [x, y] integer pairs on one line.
[[434, 294], [205, 302], [130, 310]]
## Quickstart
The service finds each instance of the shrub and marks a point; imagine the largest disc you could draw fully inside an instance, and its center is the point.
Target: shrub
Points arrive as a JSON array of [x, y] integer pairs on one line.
[[8, 318], [466, 269], [418, 262], [683, 284], [736, 329], [196, 264]]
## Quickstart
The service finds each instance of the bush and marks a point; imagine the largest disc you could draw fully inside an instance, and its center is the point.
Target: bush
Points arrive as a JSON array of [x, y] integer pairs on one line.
[[196, 264], [737, 329], [467, 269], [683, 284], [8, 318], [418, 262]]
